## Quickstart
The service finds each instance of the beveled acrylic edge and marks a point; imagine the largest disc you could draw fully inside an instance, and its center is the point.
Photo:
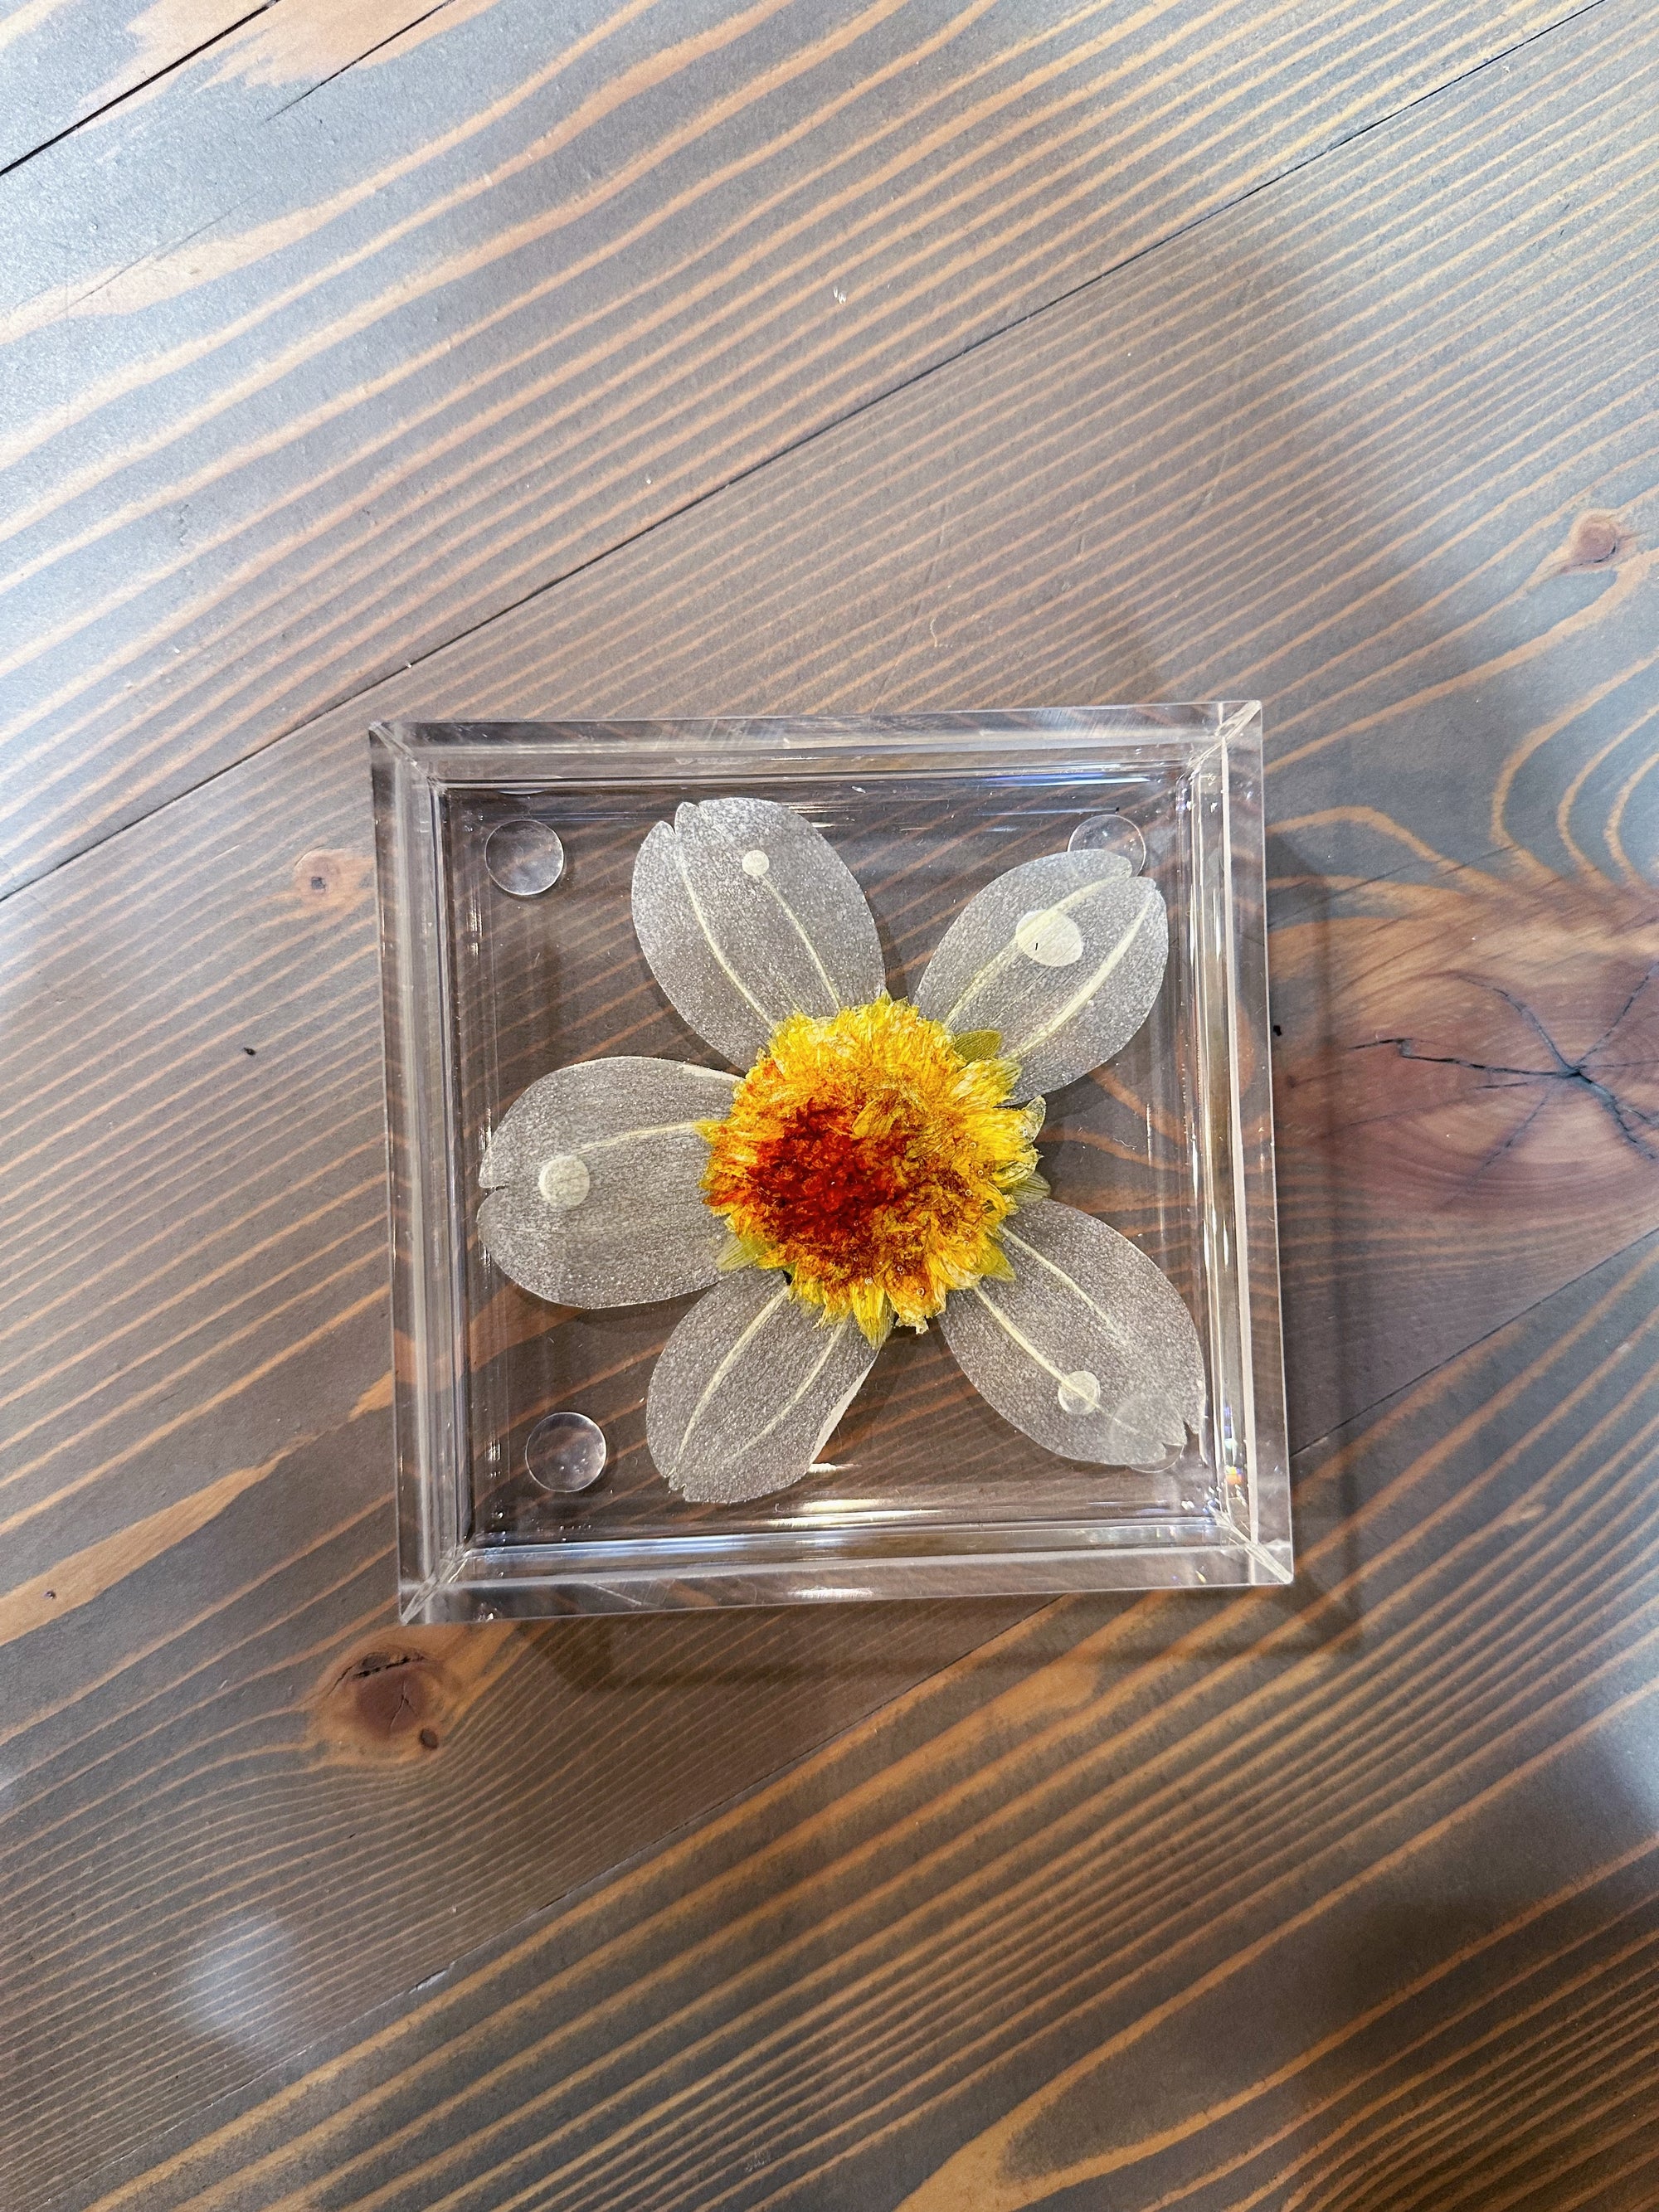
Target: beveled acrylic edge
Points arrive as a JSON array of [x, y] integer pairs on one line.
[[456, 1581], [1254, 1181], [457, 742], [470, 1592], [459, 756], [421, 1211]]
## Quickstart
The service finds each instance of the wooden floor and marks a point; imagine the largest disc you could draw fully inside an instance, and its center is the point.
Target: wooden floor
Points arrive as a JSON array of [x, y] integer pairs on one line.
[[619, 358]]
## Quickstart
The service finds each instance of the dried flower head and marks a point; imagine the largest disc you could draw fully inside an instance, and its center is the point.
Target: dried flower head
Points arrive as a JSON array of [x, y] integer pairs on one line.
[[872, 1160]]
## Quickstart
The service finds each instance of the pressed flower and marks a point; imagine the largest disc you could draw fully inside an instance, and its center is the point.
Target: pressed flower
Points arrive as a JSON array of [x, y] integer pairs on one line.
[[875, 1163], [872, 1161]]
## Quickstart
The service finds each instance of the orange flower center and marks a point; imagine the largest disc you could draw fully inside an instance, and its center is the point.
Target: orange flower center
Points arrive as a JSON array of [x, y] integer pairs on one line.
[[874, 1159]]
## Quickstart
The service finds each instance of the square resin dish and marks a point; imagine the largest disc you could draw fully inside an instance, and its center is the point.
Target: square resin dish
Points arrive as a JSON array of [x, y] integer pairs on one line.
[[1127, 1428]]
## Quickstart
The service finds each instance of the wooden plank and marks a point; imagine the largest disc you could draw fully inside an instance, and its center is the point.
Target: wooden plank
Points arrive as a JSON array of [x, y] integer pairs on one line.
[[1348, 1896], [1362, 489], [240, 1775], [67, 60], [396, 346]]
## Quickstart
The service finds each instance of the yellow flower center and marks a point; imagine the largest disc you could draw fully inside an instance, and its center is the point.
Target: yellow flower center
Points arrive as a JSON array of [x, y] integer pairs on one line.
[[874, 1159]]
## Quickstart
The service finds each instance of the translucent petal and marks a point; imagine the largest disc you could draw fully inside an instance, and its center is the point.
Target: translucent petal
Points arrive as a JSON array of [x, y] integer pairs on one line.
[[1089, 1349], [594, 1180], [748, 1390], [1063, 956], [746, 914]]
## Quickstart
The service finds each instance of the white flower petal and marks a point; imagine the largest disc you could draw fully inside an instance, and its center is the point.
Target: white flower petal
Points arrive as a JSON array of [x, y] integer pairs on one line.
[[1091, 1349], [746, 914], [748, 1390], [594, 1177], [1062, 956]]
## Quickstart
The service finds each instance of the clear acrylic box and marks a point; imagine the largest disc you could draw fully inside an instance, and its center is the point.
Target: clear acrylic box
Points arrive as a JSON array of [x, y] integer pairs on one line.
[[923, 1489]]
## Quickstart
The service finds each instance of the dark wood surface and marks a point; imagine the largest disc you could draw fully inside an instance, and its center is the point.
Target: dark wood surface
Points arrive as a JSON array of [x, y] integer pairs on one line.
[[1186, 352], [398, 345]]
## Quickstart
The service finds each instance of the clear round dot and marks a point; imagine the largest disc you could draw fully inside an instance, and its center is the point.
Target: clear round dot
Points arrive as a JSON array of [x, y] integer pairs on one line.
[[756, 863], [565, 1453], [1079, 1392], [563, 1181], [1111, 833], [524, 858], [1050, 938]]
